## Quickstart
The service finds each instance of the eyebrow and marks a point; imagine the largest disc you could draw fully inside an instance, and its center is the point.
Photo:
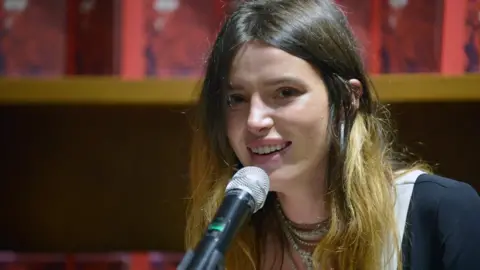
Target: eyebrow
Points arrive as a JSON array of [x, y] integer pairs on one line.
[[271, 82], [282, 80]]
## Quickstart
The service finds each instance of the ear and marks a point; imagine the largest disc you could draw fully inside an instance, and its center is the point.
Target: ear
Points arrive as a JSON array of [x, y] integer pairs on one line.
[[357, 91]]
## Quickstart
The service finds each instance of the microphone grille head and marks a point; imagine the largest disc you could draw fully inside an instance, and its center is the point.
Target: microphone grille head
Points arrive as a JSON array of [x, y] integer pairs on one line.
[[253, 180]]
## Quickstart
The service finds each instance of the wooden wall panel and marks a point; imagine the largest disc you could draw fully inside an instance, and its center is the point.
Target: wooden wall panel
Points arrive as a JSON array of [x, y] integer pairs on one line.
[[92, 178], [446, 135], [114, 178]]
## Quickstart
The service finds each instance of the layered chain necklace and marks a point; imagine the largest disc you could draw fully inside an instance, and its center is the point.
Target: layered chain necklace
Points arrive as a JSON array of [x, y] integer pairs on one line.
[[302, 240]]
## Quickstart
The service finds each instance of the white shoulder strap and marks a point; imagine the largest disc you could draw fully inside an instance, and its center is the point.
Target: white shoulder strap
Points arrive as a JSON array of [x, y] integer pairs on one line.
[[404, 189]]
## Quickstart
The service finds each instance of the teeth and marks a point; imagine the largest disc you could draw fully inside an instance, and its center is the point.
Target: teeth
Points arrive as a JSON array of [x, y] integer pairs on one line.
[[267, 149]]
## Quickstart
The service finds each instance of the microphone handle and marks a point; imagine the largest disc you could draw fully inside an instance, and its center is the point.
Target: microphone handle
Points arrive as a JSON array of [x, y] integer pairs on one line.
[[209, 253]]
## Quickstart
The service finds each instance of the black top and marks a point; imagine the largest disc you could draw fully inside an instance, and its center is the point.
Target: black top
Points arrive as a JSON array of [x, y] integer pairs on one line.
[[442, 230]]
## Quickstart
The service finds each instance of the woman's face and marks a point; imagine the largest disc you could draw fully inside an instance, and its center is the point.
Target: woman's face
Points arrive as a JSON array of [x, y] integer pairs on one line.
[[278, 115]]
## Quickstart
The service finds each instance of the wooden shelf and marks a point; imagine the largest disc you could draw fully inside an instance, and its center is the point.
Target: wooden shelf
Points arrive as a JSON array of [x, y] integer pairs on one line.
[[427, 88], [97, 90], [111, 90]]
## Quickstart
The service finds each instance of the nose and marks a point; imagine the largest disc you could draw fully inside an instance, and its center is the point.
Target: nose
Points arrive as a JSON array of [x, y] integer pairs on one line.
[[259, 118]]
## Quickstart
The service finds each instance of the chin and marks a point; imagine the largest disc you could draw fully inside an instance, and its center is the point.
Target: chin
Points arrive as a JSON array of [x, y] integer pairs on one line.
[[280, 179]]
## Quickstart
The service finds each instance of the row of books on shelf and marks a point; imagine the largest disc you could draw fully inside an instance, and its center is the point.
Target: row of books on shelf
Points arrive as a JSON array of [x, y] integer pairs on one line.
[[78, 37], [99, 261]]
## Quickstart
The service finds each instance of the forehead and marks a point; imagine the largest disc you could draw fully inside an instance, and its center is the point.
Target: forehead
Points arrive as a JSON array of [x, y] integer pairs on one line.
[[258, 62]]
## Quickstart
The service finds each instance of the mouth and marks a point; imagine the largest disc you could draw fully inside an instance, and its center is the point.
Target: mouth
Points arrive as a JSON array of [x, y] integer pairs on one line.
[[266, 150]]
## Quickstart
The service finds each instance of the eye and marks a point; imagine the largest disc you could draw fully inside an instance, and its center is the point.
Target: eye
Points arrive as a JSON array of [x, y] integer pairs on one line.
[[234, 100], [287, 92]]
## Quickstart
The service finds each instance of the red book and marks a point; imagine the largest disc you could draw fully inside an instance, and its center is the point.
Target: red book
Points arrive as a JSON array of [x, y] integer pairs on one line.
[[472, 37], [179, 34], [358, 13], [32, 37], [411, 37], [94, 44]]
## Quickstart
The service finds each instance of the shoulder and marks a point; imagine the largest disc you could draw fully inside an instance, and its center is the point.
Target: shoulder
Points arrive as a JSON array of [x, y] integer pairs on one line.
[[456, 202], [442, 183], [441, 224], [431, 194], [445, 192], [451, 209], [443, 200]]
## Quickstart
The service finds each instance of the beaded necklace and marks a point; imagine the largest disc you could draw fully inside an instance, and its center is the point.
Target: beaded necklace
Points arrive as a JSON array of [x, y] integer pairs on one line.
[[299, 238]]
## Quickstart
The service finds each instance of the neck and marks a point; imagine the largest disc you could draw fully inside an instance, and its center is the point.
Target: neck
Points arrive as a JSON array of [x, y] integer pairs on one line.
[[306, 204]]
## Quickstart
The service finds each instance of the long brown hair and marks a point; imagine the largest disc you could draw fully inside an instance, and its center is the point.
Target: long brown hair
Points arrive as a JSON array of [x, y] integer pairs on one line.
[[360, 177]]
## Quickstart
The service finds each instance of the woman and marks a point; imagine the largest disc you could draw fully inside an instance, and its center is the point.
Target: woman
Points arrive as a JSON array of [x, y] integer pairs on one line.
[[285, 90]]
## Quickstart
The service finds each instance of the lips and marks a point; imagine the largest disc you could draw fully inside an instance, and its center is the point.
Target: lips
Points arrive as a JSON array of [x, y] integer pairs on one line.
[[268, 149], [269, 156], [264, 149]]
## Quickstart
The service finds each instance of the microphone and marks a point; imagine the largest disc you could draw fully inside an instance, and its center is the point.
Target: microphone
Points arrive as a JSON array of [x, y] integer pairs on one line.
[[245, 194]]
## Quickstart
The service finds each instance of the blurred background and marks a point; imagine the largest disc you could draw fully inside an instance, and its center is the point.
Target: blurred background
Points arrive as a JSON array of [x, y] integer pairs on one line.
[[94, 103]]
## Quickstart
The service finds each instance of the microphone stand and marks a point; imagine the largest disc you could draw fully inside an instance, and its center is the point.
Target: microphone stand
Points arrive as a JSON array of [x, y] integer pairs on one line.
[[209, 253], [205, 260]]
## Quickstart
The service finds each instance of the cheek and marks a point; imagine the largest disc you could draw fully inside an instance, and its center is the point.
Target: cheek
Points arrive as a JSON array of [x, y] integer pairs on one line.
[[310, 115], [313, 127], [316, 131]]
